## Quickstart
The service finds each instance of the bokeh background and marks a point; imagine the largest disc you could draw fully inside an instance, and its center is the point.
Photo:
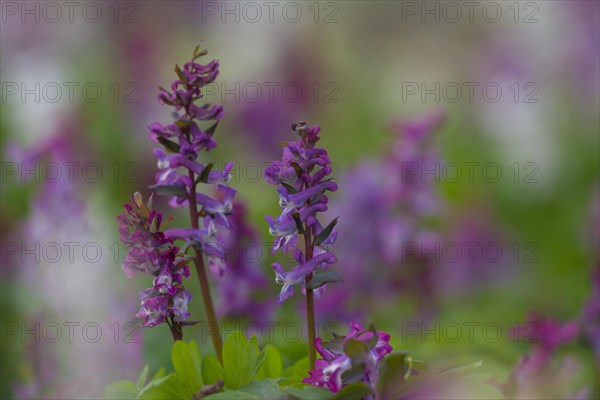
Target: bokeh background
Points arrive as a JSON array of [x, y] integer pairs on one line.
[[505, 94]]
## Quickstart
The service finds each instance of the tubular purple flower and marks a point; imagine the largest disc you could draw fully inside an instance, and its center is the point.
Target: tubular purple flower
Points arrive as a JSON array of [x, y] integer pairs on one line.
[[154, 309], [328, 371], [297, 274], [180, 305], [153, 253], [163, 282], [218, 209], [294, 201]]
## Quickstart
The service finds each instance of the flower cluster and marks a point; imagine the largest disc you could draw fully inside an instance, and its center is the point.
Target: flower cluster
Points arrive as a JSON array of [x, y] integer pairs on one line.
[[152, 253], [303, 176], [352, 358], [180, 173]]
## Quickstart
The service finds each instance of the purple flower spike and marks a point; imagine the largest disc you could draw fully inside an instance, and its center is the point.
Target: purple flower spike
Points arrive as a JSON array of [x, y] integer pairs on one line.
[[183, 141], [302, 176]]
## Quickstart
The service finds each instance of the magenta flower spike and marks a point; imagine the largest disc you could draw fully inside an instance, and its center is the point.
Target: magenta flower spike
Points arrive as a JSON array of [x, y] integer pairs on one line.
[[151, 252]]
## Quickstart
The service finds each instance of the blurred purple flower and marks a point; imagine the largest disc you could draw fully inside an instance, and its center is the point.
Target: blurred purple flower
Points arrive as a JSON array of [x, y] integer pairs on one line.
[[245, 276], [392, 198], [541, 374]]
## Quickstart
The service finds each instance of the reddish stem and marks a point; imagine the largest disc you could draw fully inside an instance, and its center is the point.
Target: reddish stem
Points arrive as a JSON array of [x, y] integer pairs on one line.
[[209, 308]]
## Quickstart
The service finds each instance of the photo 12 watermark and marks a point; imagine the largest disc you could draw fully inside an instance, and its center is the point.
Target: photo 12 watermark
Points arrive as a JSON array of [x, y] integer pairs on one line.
[[271, 92], [69, 92], [253, 12], [454, 12], [88, 172], [469, 92], [470, 172], [53, 12]]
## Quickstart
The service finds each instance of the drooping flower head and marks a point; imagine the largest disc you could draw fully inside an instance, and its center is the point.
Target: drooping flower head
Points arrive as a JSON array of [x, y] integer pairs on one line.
[[152, 253], [303, 178], [360, 351]]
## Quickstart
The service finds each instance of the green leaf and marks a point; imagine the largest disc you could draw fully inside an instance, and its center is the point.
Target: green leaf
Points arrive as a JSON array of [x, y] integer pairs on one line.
[[308, 392], [324, 234], [322, 278], [398, 371], [260, 359], [186, 361], [239, 360], [170, 190], [462, 371], [336, 344], [393, 372], [353, 391], [297, 168], [272, 365], [290, 188], [159, 374], [204, 176], [166, 388], [356, 350], [294, 374], [354, 374], [211, 131], [374, 338], [233, 395], [141, 382], [298, 222], [169, 145], [212, 370], [264, 389], [121, 390]]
